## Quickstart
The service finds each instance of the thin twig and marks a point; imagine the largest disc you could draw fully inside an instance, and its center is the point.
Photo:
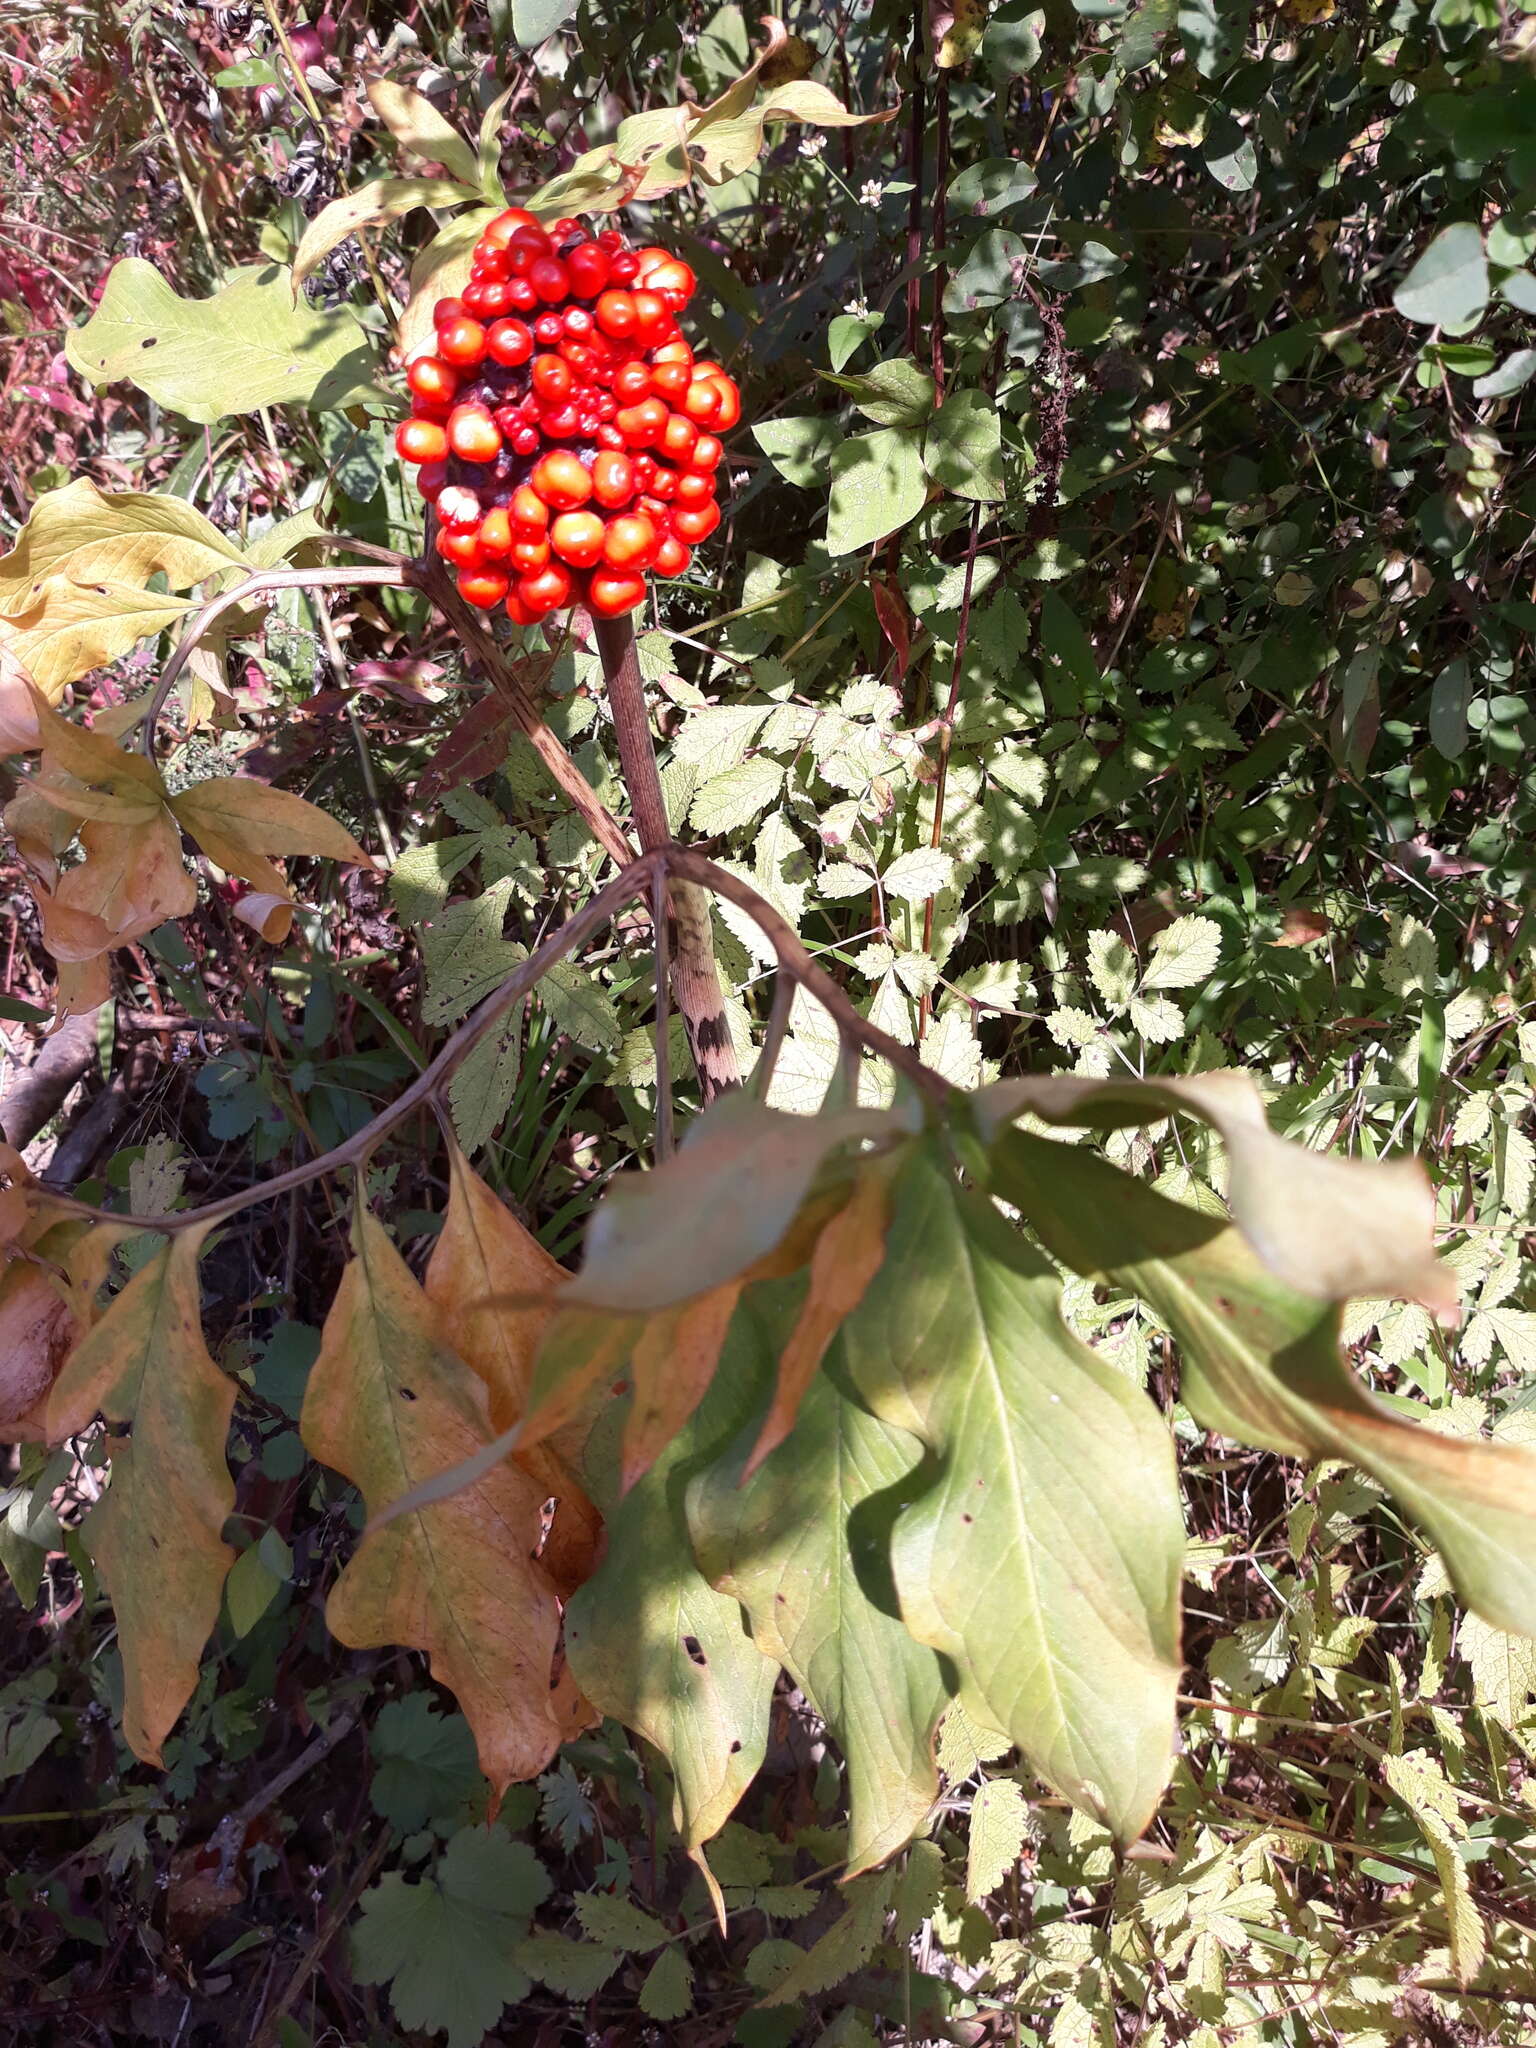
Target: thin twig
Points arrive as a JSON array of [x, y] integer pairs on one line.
[[636, 881], [661, 924]]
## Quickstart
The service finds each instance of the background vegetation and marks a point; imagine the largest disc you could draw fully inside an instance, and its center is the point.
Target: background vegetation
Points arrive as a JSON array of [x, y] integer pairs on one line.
[[1176, 721]]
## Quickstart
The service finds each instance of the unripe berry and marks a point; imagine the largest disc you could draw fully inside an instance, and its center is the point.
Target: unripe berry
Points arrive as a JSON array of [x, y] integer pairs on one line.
[[561, 481], [577, 538], [420, 441]]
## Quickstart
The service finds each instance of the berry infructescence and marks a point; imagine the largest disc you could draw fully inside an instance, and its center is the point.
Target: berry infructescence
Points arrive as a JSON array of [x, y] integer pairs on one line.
[[563, 428]]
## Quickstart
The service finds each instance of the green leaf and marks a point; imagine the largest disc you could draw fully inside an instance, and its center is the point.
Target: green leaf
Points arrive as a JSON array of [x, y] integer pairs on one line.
[[381, 199], [845, 1947], [988, 273], [425, 1764], [575, 1969], [1044, 1558], [914, 877], [998, 1822], [847, 334], [445, 1946], [667, 1992], [485, 1083], [1139, 38], [581, 1007], [465, 955], [651, 1641], [894, 394], [800, 450], [1184, 954], [1448, 285], [878, 486], [1449, 700], [422, 131], [535, 21], [964, 448], [735, 798], [248, 346], [1512, 375], [793, 1544], [1261, 1363], [992, 185], [251, 71], [619, 1923]]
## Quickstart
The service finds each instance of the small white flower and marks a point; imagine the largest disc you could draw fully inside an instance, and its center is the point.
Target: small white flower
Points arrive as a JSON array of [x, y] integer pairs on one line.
[[859, 308], [871, 192], [740, 479], [812, 145]]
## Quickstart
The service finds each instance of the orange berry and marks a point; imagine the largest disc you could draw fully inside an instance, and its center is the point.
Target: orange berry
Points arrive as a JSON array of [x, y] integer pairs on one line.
[[529, 555], [615, 314], [546, 589], [671, 380], [707, 452], [693, 487], [730, 405], [703, 399], [501, 230], [528, 509], [679, 437], [460, 547], [496, 533], [677, 351], [694, 523], [462, 343]]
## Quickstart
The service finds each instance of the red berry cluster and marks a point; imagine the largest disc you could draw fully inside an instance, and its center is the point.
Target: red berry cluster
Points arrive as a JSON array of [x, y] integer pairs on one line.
[[564, 431]]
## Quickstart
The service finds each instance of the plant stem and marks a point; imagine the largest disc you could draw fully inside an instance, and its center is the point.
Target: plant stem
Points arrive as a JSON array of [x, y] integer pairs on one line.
[[690, 949]]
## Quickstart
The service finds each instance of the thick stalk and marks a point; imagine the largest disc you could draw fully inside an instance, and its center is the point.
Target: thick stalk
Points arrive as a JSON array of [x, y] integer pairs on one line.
[[690, 948]]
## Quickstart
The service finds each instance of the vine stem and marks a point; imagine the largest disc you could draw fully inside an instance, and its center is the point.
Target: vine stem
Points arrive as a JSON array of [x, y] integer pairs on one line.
[[689, 949], [667, 862]]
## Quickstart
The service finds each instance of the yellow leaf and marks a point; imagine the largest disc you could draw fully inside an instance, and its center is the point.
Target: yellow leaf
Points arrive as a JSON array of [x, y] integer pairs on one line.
[[96, 760], [270, 917], [131, 880], [156, 1534], [483, 1266], [673, 1364], [18, 720], [390, 1404], [237, 821], [847, 1257], [72, 628], [92, 536]]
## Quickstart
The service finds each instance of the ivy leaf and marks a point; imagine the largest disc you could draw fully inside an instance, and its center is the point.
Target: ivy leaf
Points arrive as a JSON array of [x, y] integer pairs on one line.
[[1044, 1558], [246, 347], [894, 394], [1261, 1363], [446, 1946], [1448, 285], [964, 447], [156, 1532], [390, 1405], [998, 1822], [878, 486], [790, 1543]]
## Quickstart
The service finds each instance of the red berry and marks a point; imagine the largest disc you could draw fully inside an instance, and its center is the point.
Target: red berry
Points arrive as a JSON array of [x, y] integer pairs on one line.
[[672, 556], [461, 342], [550, 280], [587, 266], [644, 424], [631, 383], [420, 441], [501, 230], [432, 379], [517, 611], [702, 401], [460, 547], [496, 532], [625, 267], [552, 378], [473, 434], [527, 555], [577, 538], [561, 480], [430, 479], [528, 510], [483, 587], [509, 343], [613, 479], [447, 310], [629, 542], [707, 452], [679, 437], [694, 523], [653, 318], [545, 590], [457, 506], [694, 486], [524, 297], [671, 380], [615, 315], [730, 404], [612, 591]]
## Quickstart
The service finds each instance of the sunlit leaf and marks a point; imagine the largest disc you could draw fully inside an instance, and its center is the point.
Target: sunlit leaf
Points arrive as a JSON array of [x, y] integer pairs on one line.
[[381, 199]]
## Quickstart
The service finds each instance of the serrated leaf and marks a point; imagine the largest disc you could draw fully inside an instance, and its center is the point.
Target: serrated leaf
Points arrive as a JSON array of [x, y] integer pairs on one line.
[[789, 1543], [574, 1969], [485, 1082], [717, 738], [1061, 1617], [446, 1946], [734, 799], [618, 1922], [156, 1534], [1111, 968], [465, 955], [1157, 1019], [878, 486], [667, 1993], [425, 1764], [914, 877], [965, 1743], [581, 1007], [841, 878], [998, 1822], [1184, 954], [248, 346], [389, 1405], [845, 1947]]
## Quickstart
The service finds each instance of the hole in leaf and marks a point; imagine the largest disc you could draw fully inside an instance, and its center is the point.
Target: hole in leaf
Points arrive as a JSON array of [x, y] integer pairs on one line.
[[691, 1645], [406, 1394]]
